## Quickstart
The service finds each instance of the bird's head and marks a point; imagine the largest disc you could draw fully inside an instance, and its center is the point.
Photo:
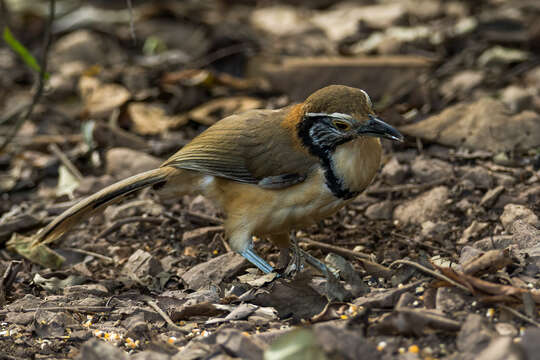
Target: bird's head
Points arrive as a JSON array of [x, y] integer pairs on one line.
[[338, 114]]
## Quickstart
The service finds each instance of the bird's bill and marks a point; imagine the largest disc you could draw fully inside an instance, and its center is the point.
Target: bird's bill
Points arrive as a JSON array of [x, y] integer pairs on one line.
[[377, 128]]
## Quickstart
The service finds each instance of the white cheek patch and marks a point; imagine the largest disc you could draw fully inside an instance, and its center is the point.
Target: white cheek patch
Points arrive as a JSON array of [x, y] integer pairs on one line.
[[368, 99]]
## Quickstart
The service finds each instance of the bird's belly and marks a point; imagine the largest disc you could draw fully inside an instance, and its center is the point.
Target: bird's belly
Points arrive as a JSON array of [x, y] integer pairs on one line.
[[263, 211]]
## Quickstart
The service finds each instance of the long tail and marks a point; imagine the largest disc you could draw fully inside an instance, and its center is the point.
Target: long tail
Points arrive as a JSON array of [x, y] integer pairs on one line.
[[83, 209]]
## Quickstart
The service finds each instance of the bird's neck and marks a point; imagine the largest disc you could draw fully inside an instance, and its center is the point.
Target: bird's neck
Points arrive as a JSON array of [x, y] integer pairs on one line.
[[352, 166]]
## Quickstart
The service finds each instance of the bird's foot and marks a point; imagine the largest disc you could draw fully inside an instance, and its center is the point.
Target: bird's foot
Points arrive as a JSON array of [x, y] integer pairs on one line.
[[256, 260]]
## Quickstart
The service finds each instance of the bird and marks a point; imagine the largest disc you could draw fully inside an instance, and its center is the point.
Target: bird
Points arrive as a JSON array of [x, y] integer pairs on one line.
[[270, 171]]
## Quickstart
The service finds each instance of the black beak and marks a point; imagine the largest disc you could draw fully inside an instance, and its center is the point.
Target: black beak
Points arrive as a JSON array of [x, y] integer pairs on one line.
[[378, 128]]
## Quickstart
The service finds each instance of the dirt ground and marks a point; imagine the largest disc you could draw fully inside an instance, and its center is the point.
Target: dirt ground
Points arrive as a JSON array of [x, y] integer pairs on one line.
[[438, 259]]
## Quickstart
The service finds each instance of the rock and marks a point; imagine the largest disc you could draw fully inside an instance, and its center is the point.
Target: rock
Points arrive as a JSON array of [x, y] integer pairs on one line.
[[427, 206], [280, 20], [393, 172], [468, 253], [200, 235], [462, 83], [86, 289], [380, 211], [506, 329], [472, 231], [426, 169], [491, 196], [434, 230], [151, 119], [85, 47], [474, 336], [344, 343], [240, 345], [505, 180], [95, 349], [141, 266], [494, 242], [529, 342], [149, 355], [20, 318], [342, 20], [501, 348], [482, 125], [480, 177], [525, 236], [517, 98], [449, 300], [377, 75], [532, 77], [100, 99], [214, 271], [514, 212], [499, 55], [124, 162], [136, 327]]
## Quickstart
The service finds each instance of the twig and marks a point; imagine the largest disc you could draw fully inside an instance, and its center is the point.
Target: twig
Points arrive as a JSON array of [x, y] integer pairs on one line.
[[82, 308], [41, 78], [336, 249], [224, 242], [430, 272], [519, 315], [165, 317], [131, 22], [117, 225], [91, 253], [216, 55], [421, 244], [55, 149]]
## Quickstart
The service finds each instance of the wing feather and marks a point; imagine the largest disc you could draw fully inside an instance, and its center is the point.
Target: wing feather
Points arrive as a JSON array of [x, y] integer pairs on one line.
[[251, 148]]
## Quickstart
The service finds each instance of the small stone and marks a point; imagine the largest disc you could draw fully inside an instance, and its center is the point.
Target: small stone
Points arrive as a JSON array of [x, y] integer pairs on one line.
[[505, 180], [506, 329], [529, 342], [214, 271], [100, 99], [86, 289], [426, 206], [472, 231], [462, 83], [491, 196], [514, 212], [393, 172], [142, 265], [124, 162], [517, 98], [474, 336], [434, 230], [95, 349], [501, 348], [429, 169], [468, 253], [449, 300], [480, 177], [380, 211]]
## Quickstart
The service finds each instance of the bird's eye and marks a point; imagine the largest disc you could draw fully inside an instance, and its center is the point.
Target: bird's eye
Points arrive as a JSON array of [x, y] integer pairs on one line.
[[340, 125]]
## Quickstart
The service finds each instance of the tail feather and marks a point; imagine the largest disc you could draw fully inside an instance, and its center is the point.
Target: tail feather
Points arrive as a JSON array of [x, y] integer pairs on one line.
[[83, 209]]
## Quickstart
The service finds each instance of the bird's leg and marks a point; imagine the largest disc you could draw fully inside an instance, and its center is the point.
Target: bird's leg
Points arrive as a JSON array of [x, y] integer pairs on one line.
[[243, 244], [311, 260], [296, 264]]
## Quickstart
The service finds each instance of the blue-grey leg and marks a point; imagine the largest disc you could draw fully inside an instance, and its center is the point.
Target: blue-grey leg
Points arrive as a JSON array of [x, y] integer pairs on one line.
[[256, 260]]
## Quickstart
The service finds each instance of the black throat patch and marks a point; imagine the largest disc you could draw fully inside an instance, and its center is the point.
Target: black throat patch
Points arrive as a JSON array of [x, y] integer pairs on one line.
[[323, 148]]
